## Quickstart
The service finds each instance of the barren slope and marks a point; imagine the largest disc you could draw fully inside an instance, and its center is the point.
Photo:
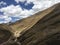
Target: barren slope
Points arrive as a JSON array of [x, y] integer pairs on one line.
[[25, 24], [45, 32]]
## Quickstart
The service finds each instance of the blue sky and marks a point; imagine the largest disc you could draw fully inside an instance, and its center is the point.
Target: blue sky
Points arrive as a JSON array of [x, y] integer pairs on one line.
[[22, 4], [13, 10]]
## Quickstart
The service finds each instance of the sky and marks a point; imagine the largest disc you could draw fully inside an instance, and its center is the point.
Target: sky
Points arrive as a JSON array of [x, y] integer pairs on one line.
[[14, 10]]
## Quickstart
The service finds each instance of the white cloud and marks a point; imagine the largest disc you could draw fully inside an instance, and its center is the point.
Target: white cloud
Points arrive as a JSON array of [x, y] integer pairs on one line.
[[17, 11], [20, 1], [2, 3], [11, 10], [5, 19], [40, 5], [14, 11]]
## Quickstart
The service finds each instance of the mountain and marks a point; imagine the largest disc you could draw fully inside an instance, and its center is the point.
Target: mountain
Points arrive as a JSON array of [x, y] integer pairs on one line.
[[43, 28], [26, 23], [46, 31]]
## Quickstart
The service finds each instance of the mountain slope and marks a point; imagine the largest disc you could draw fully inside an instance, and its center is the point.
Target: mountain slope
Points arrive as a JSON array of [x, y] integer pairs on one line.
[[45, 32], [25, 24]]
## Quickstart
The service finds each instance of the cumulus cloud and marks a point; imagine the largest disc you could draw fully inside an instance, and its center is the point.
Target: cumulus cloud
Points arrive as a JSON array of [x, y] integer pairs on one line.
[[2, 3], [17, 11], [11, 10], [20, 1], [4, 19], [14, 11], [39, 5]]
